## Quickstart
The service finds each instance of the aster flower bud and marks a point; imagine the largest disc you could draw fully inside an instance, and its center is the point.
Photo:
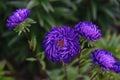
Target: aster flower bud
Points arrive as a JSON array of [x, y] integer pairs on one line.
[[89, 30], [104, 58], [61, 44], [19, 20], [17, 17], [116, 67]]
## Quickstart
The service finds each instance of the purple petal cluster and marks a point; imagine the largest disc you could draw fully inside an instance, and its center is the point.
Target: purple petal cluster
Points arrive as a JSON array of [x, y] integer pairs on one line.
[[61, 43], [17, 17], [104, 58], [116, 67], [89, 30]]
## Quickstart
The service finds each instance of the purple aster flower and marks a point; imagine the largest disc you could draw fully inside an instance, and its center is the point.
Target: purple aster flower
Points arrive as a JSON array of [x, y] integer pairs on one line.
[[116, 67], [104, 58], [17, 17], [89, 30], [61, 44]]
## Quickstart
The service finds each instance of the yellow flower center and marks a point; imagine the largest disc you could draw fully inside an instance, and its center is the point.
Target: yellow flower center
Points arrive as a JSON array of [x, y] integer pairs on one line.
[[61, 43]]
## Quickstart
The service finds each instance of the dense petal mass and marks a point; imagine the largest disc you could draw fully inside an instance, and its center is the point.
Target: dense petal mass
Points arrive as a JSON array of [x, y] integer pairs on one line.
[[116, 67], [89, 30], [61, 44], [17, 17], [104, 58]]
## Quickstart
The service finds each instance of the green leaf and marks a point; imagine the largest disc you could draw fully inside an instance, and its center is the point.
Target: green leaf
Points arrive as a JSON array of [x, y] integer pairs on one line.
[[55, 74], [7, 34], [2, 64], [94, 10], [14, 40], [17, 3], [46, 5], [31, 4], [110, 13], [31, 59], [73, 62], [33, 42], [72, 73], [30, 21], [88, 15], [41, 56], [49, 19], [6, 78], [40, 18]]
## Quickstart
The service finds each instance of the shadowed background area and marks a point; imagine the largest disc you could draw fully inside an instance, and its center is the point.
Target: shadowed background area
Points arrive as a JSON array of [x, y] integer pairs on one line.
[[16, 59]]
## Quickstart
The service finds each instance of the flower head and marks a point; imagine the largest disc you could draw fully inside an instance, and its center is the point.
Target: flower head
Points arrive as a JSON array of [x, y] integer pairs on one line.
[[17, 17], [104, 58], [61, 44], [116, 67], [89, 30]]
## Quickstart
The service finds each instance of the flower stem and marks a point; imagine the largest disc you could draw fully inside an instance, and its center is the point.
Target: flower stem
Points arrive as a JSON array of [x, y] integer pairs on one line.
[[65, 71], [79, 65], [31, 49], [79, 59]]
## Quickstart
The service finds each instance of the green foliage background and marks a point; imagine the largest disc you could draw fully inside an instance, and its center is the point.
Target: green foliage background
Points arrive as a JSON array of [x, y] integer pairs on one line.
[[16, 60]]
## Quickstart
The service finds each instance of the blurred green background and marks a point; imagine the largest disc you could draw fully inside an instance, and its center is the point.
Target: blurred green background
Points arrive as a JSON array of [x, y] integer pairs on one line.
[[16, 60]]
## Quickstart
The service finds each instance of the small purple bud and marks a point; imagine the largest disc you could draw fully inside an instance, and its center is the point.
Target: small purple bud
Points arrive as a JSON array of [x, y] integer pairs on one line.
[[17, 17]]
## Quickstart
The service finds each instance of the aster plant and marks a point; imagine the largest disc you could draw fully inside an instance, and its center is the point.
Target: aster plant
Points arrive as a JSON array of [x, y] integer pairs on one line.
[[62, 43], [19, 20]]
